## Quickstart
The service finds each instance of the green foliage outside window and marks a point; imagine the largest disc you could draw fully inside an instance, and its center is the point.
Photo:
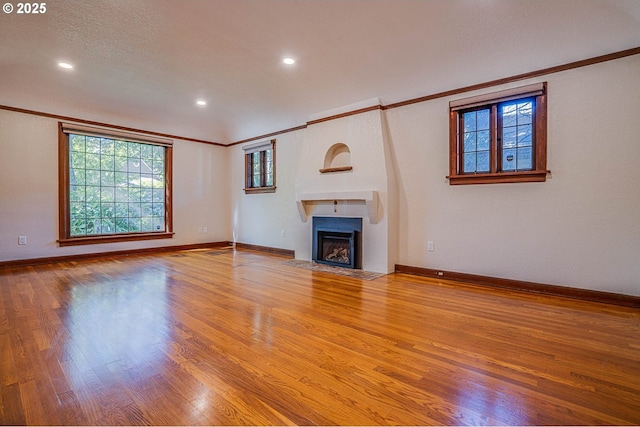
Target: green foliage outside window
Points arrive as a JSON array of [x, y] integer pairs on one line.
[[115, 186], [260, 168]]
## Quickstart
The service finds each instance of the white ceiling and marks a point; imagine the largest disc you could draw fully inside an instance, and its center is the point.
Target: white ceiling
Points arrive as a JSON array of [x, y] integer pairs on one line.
[[143, 63]]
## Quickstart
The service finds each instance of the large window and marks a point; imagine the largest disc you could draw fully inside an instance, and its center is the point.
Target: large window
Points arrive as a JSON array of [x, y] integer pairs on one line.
[[260, 167], [114, 186], [499, 137]]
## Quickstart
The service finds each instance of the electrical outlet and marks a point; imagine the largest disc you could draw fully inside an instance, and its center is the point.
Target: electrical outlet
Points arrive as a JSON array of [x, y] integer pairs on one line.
[[204, 229], [22, 240], [283, 233], [430, 246]]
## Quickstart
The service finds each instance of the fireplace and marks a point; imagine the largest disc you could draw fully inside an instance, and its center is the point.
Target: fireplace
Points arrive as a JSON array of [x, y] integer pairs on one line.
[[337, 241]]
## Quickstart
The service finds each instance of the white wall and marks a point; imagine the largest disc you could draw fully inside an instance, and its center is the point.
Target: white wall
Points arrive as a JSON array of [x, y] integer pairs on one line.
[[261, 219], [29, 192], [581, 228]]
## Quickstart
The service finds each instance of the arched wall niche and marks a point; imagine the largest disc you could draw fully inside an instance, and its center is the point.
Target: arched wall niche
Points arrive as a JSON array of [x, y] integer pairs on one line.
[[337, 159]]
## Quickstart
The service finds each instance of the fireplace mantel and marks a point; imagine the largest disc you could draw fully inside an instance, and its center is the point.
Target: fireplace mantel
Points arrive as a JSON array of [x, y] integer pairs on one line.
[[370, 199]]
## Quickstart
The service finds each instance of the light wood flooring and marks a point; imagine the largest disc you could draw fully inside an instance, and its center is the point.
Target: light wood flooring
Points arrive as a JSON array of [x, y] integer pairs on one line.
[[217, 337]]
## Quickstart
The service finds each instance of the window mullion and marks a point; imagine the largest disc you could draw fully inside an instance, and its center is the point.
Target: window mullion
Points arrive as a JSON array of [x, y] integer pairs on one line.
[[248, 164], [496, 139], [539, 133], [460, 143], [262, 168]]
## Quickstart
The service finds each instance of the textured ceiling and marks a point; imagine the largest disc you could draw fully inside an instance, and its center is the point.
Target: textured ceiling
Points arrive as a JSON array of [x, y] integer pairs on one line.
[[143, 63]]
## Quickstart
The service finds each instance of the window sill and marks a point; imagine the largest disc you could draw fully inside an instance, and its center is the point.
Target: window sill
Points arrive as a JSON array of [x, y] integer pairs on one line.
[[499, 178], [111, 238], [260, 190]]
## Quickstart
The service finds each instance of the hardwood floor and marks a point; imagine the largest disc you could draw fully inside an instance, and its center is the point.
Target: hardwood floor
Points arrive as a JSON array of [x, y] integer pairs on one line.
[[223, 337]]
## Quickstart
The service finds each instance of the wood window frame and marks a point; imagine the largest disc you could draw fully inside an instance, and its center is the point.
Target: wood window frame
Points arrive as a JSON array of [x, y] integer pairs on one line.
[[495, 175], [64, 214], [261, 148]]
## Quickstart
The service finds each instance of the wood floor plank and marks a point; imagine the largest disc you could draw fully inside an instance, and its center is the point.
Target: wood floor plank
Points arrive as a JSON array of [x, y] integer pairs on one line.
[[224, 337], [11, 406], [33, 405], [8, 372]]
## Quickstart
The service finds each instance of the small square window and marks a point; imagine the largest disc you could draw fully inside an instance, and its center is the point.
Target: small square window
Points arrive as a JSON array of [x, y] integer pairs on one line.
[[500, 137], [260, 167]]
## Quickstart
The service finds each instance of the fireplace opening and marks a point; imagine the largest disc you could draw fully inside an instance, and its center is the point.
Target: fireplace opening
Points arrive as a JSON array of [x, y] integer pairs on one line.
[[337, 241], [336, 248]]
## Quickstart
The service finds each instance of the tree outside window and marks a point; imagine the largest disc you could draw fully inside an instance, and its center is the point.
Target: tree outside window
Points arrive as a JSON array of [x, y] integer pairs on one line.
[[260, 167], [112, 189]]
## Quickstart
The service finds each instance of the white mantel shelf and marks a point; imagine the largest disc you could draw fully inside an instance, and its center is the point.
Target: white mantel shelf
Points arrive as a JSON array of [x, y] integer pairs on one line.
[[370, 198]]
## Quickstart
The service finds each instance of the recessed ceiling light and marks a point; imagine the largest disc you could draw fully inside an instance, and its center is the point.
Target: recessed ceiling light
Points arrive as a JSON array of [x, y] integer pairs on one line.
[[65, 65], [201, 102], [289, 61]]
